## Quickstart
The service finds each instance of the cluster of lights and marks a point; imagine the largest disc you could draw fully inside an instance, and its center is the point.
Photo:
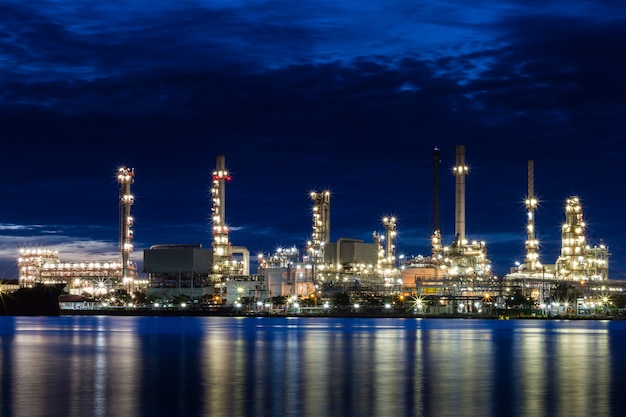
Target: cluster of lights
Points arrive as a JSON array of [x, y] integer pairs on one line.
[[436, 244], [378, 240], [578, 260], [31, 261], [82, 265], [386, 259], [460, 170], [125, 177], [221, 175], [283, 257], [531, 203], [43, 265], [532, 244], [321, 226], [473, 261], [221, 247], [387, 262], [38, 252]]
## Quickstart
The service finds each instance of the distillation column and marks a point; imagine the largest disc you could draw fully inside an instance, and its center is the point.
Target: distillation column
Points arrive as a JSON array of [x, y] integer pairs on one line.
[[379, 238], [389, 261], [460, 171], [571, 263], [221, 246], [321, 225], [125, 177], [532, 244], [578, 260]]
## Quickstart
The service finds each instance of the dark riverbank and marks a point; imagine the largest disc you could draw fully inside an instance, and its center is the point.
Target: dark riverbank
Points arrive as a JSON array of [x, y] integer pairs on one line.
[[338, 313], [40, 300]]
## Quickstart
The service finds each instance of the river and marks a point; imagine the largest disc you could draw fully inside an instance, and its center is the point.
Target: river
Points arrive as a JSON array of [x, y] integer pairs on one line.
[[244, 366]]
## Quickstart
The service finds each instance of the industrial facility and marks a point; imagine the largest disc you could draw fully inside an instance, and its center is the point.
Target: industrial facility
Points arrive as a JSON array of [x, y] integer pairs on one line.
[[454, 278], [39, 265]]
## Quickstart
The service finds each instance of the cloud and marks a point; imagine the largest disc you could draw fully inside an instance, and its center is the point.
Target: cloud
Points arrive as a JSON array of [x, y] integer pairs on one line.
[[17, 227], [350, 96], [77, 248]]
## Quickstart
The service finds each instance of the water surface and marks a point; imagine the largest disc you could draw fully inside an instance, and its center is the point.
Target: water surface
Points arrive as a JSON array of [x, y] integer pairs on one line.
[[226, 366]]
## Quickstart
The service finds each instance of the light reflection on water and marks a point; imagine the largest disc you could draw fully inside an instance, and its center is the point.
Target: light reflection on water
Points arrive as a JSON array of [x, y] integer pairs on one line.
[[225, 366]]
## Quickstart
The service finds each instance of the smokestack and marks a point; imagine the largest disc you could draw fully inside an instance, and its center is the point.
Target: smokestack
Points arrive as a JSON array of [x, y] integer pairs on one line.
[[220, 176], [436, 163], [531, 179], [460, 171]]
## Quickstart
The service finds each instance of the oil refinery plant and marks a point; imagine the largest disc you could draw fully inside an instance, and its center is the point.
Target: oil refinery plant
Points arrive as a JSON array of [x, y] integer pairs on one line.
[[39, 265], [453, 278]]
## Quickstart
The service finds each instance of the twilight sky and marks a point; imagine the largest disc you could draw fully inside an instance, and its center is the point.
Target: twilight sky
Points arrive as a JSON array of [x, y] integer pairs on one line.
[[304, 95]]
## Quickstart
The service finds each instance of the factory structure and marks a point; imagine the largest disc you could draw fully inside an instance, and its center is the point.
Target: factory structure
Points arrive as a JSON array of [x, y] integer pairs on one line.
[[100, 277], [458, 276], [454, 278]]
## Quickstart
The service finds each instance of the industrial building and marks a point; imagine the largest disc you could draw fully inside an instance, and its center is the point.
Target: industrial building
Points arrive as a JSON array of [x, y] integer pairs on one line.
[[41, 265], [458, 275], [175, 270]]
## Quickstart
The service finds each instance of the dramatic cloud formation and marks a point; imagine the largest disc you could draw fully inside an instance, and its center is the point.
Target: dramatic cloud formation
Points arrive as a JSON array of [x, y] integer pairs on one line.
[[347, 95]]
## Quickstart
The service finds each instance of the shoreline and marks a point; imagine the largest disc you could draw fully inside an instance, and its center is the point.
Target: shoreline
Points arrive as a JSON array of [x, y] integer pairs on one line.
[[329, 314]]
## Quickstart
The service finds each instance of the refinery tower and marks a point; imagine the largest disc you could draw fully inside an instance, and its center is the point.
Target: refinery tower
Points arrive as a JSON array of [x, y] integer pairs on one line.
[[224, 261], [125, 177], [463, 257], [96, 277], [221, 245]]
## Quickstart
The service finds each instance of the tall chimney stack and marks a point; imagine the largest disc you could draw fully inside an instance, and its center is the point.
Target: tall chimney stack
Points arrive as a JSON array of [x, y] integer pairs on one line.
[[436, 163], [460, 171]]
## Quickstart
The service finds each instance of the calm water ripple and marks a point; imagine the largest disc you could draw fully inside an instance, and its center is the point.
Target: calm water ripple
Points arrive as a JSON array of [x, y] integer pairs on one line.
[[80, 366]]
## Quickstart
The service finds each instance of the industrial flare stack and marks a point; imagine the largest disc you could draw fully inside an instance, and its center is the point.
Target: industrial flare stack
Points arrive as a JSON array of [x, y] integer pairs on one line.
[[460, 172], [125, 177], [221, 245], [464, 258]]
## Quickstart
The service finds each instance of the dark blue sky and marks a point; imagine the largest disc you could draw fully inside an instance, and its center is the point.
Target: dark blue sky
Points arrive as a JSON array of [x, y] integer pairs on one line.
[[346, 95]]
